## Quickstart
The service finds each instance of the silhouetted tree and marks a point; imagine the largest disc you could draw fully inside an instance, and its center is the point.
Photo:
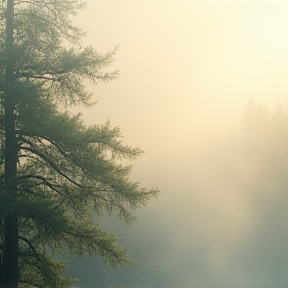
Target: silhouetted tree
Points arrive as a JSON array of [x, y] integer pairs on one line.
[[256, 125], [57, 174], [268, 142]]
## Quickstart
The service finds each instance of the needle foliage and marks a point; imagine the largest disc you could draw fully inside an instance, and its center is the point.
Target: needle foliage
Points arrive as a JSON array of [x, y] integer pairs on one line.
[[68, 174]]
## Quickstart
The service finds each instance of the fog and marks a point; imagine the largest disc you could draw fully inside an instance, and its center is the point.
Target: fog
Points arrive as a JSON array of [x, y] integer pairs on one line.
[[187, 72]]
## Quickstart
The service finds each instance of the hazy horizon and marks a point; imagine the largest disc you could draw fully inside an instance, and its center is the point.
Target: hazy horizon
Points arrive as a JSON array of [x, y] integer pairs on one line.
[[187, 70]]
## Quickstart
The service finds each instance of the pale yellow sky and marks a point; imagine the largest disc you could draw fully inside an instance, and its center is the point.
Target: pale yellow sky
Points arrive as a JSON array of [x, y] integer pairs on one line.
[[187, 69], [183, 62]]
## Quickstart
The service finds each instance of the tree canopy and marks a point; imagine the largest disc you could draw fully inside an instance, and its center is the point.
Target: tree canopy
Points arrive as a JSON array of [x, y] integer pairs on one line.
[[66, 174]]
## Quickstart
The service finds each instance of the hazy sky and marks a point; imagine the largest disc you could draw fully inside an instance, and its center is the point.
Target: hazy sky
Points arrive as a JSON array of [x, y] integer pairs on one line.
[[187, 69], [186, 62]]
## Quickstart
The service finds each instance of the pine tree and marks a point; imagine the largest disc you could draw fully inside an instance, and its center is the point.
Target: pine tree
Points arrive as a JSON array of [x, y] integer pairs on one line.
[[57, 175], [256, 125]]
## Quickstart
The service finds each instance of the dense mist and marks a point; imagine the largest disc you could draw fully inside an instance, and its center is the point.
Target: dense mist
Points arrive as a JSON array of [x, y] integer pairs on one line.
[[221, 218], [202, 90]]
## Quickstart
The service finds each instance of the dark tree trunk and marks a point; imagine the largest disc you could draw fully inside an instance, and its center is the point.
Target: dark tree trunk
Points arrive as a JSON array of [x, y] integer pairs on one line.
[[10, 251]]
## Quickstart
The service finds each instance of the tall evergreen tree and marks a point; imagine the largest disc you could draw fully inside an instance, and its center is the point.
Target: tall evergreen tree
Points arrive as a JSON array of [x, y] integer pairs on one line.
[[256, 124], [57, 175]]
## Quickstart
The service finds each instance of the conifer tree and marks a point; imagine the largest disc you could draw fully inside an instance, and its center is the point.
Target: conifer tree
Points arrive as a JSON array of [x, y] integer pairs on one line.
[[57, 175]]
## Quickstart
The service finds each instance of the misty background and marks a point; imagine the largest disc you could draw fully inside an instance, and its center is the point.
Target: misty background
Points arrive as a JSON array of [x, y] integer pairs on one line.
[[203, 90]]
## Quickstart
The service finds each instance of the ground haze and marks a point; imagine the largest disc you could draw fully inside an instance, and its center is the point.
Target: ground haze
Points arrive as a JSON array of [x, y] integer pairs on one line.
[[188, 70]]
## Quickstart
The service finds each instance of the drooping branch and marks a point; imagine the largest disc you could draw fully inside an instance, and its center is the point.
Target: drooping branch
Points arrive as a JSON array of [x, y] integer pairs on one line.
[[53, 166], [31, 247], [54, 187], [41, 264]]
